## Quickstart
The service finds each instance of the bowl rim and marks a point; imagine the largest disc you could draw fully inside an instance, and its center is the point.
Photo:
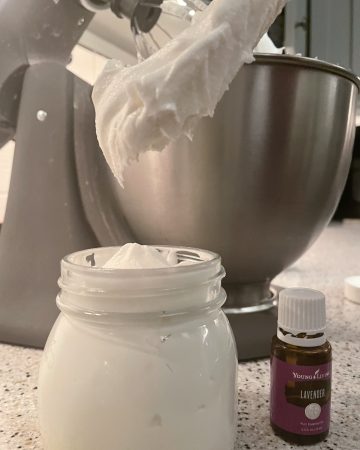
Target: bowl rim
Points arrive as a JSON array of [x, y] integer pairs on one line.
[[304, 61]]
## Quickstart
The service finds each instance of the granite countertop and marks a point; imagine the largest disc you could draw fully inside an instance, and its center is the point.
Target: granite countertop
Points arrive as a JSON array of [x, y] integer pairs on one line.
[[334, 257]]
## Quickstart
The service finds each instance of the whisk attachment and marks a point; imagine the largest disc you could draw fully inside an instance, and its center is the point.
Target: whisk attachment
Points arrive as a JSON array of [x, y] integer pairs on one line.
[[143, 14], [175, 16]]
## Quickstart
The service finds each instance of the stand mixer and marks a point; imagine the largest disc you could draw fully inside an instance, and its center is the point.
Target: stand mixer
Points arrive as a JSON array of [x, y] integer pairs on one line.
[[50, 114], [258, 183]]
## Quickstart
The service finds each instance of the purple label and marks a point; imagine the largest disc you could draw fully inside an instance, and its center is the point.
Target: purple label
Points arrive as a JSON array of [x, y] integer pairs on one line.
[[300, 397]]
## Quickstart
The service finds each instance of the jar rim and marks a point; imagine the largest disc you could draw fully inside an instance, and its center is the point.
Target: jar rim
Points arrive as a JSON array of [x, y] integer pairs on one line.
[[69, 261], [88, 287]]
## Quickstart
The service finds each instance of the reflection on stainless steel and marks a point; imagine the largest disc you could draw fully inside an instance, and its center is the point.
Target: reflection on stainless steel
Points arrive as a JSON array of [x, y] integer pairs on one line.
[[260, 180]]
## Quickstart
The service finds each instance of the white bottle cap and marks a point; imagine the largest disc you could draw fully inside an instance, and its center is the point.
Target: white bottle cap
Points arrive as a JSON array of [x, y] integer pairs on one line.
[[302, 317], [352, 289]]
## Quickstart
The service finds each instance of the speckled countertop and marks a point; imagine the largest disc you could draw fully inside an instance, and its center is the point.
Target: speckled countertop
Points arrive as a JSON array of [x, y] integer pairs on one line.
[[335, 256]]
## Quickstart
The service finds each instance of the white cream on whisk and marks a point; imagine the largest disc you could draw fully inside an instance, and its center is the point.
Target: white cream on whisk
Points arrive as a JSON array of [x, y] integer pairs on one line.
[[149, 105]]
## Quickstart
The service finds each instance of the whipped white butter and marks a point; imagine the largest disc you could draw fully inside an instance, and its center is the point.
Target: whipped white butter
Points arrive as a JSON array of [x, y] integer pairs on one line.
[[136, 256], [149, 105]]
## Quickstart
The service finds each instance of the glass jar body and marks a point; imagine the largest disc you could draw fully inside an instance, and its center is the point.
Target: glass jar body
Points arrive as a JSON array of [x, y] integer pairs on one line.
[[139, 382]]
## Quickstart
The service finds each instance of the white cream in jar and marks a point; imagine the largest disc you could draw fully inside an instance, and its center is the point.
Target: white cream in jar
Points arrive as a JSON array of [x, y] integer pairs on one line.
[[139, 359]]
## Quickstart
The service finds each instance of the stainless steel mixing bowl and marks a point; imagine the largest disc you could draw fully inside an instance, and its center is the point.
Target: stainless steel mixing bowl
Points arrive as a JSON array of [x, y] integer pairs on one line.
[[258, 183], [260, 180]]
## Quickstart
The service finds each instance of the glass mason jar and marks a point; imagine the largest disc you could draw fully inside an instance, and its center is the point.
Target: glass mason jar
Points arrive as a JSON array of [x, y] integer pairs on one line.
[[139, 359]]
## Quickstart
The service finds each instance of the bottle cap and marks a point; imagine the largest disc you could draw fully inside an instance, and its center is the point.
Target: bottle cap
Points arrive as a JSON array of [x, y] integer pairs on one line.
[[302, 317], [352, 289]]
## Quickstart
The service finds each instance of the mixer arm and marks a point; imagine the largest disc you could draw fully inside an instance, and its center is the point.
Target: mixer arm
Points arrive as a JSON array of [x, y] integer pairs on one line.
[[33, 31], [51, 113]]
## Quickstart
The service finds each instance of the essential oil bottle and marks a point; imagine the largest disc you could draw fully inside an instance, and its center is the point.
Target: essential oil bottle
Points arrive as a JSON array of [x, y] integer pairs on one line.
[[301, 369]]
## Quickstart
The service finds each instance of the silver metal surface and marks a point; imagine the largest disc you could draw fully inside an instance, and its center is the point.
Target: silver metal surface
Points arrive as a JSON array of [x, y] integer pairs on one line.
[[308, 63], [95, 5], [143, 14], [260, 180]]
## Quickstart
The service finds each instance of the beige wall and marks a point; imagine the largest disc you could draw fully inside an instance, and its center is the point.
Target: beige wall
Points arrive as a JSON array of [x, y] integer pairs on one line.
[[6, 157]]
